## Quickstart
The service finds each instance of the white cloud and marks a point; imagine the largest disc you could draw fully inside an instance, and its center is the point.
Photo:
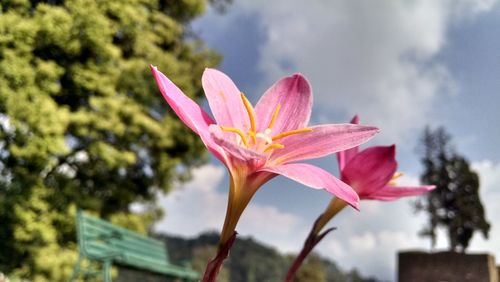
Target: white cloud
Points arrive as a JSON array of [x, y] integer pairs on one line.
[[374, 58], [198, 206], [272, 227], [332, 247], [195, 206], [362, 243]]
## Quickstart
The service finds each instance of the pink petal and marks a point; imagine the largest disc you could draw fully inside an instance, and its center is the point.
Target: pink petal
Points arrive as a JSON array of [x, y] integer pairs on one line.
[[344, 157], [390, 193], [294, 95], [321, 141], [317, 178], [355, 119], [225, 100], [371, 169], [188, 111], [233, 149]]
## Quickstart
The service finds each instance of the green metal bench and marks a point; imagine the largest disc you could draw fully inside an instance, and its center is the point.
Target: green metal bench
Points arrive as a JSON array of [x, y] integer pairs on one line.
[[106, 243]]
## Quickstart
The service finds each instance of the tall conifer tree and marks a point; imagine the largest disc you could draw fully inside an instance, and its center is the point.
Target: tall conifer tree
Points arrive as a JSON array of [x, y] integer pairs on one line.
[[455, 204]]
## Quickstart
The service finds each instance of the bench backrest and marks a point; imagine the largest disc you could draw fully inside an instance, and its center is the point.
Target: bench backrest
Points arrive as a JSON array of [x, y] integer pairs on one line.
[[100, 240]]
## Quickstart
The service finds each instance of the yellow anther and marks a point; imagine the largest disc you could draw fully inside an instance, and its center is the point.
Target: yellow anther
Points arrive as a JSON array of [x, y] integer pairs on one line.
[[274, 146], [275, 115], [396, 175], [249, 109], [237, 131], [291, 132]]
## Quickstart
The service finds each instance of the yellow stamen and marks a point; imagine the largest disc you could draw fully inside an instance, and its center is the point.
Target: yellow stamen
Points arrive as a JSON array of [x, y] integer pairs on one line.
[[249, 109], [237, 131], [274, 146], [396, 175], [253, 136], [291, 132], [275, 115]]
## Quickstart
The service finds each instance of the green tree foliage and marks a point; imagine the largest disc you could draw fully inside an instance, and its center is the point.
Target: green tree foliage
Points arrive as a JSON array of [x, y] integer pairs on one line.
[[313, 269], [455, 203], [203, 254], [82, 123]]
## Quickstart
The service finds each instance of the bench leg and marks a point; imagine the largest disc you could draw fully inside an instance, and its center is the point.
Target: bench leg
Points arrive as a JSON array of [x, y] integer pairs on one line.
[[76, 270], [106, 271]]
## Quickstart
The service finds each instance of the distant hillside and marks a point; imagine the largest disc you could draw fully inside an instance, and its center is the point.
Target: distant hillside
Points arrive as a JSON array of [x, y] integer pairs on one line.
[[252, 261]]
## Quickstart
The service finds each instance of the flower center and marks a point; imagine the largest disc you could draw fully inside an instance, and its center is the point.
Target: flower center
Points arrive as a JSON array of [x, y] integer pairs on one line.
[[261, 141]]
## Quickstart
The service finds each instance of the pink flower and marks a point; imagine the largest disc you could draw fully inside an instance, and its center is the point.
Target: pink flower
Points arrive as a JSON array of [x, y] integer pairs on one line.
[[372, 174], [256, 144]]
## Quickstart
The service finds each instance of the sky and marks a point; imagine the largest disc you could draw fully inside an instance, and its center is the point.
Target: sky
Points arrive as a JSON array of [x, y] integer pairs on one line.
[[400, 65]]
